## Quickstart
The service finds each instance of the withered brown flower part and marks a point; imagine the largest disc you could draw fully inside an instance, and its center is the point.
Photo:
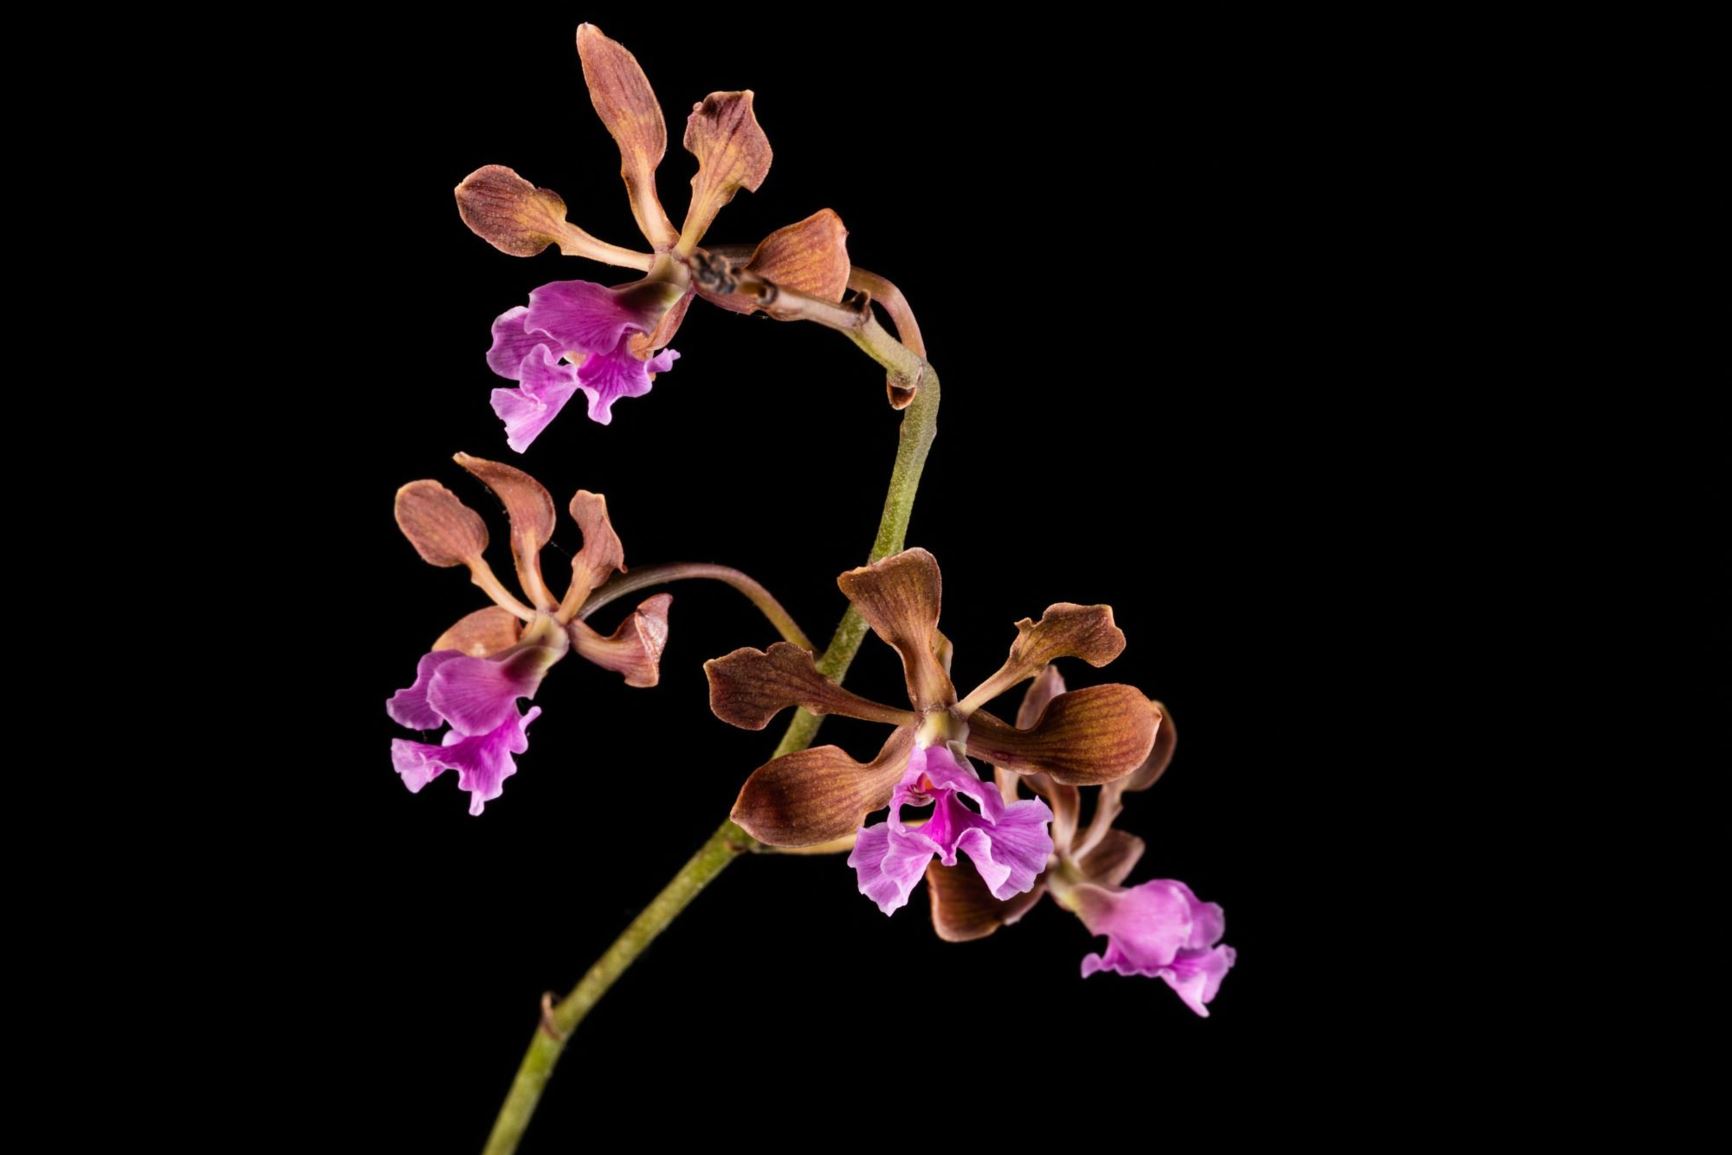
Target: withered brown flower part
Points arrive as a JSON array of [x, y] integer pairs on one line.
[[1090, 736]]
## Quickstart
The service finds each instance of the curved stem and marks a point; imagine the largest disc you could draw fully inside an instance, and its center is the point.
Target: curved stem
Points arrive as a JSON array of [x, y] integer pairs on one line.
[[919, 426], [656, 575]]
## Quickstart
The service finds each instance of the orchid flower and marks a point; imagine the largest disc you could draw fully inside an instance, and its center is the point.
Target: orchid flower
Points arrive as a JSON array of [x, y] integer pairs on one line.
[[611, 342], [1088, 736], [1158, 929], [476, 672]]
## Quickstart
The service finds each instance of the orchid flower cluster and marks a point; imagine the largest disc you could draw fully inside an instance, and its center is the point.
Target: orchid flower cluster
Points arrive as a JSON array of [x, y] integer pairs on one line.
[[988, 847]]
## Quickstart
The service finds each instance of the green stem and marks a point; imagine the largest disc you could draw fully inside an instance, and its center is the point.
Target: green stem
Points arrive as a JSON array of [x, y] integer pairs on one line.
[[919, 425], [656, 575]]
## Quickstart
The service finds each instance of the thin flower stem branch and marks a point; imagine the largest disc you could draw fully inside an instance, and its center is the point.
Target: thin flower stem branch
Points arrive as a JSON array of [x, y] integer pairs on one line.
[[656, 575], [919, 426]]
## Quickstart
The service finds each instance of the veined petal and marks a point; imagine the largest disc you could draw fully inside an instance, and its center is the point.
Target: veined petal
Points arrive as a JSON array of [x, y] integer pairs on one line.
[[606, 377], [899, 597], [1166, 740], [627, 105], [529, 507], [409, 706], [443, 530], [888, 865], [635, 648], [477, 695], [1111, 860], [815, 795], [1012, 853], [733, 153], [1008, 842], [809, 257], [482, 634], [1158, 929], [1066, 630], [483, 761], [1083, 738], [964, 910], [602, 555], [513, 340], [547, 385], [516, 217], [749, 687], [590, 318]]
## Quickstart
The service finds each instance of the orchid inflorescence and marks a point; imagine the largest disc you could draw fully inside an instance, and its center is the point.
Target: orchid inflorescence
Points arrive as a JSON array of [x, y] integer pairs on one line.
[[1021, 831]]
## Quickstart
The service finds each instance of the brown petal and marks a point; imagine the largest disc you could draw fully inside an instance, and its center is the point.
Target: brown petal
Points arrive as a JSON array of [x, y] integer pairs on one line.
[[899, 598], [1166, 740], [530, 508], [1046, 686], [1066, 630], [482, 633], [443, 530], [1084, 738], [733, 153], [1111, 862], [627, 105], [810, 257], [635, 649], [602, 555], [749, 687], [516, 217], [815, 795], [963, 909]]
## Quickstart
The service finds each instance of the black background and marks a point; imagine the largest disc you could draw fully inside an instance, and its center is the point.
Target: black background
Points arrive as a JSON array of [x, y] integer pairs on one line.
[[1125, 249]]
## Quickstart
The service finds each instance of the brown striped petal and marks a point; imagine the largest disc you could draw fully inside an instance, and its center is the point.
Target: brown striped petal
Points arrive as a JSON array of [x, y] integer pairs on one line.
[[1066, 630], [810, 257], [899, 598], [516, 217], [812, 796], [749, 687], [529, 507], [1111, 862], [443, 530], [627, 105], [964, 910], [635, 649], [1083, 738], [482, 633], [1166, 741], [733, 154], [602, 555]]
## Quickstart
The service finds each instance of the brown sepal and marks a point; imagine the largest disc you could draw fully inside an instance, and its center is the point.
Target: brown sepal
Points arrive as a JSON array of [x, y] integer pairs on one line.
[[1112, 860], [529, 507], [749, 687], [602, 555], [964, 910], [1065, 630], [812, 796], [1166, 741], [482, 633], [1047, 685], [810, 257], [443, 530], [733, 153], [1083, 738], [900, 598], [635, 649], [627, 105]]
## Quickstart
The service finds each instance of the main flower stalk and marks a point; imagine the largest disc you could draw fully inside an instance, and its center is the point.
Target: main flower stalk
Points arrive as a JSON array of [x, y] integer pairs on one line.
[[919, 427]]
